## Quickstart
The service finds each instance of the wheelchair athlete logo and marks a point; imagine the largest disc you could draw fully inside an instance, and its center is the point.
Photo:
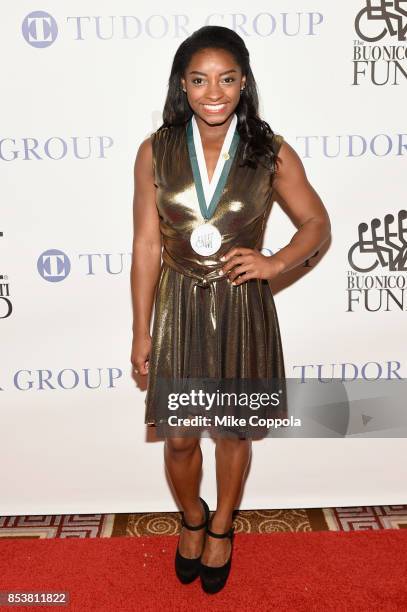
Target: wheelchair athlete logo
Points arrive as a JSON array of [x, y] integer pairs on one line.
[[382, 249], [391, 13]]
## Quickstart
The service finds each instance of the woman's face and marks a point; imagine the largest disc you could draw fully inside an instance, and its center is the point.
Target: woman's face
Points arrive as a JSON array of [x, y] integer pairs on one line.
[[213, 80]]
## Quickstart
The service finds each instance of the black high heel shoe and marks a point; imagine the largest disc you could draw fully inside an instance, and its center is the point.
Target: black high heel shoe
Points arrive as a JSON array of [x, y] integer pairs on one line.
[[188, 569], [213, 579]]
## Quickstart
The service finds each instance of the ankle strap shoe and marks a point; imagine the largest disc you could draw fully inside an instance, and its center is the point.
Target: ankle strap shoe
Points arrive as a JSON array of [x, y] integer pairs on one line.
[[188, 569], [213, 579]]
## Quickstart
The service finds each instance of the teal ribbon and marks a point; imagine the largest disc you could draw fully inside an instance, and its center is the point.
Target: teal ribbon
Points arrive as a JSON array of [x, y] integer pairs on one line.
[[207, 212]]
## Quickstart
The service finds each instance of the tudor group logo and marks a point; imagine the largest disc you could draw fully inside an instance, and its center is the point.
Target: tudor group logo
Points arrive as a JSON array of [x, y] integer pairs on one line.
[[381, 64], [381, 247], [53, 265], [39, 29]]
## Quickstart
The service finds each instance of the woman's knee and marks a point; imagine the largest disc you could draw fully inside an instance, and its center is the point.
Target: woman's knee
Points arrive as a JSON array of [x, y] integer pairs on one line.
[[181, 446], [233, 443]]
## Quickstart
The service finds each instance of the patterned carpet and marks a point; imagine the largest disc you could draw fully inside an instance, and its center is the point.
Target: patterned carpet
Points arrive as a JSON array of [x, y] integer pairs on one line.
[[168, 523]]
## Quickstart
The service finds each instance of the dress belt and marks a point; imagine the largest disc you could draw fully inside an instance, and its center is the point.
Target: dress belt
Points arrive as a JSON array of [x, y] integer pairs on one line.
[[192, 319]]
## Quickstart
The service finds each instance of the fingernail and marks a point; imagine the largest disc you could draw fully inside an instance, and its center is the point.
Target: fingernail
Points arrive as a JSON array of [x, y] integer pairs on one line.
[[221, 271], [223, 258]]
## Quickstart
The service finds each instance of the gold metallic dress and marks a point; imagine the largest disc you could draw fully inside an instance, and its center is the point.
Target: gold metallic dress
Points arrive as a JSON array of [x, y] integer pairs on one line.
[[203, 325]]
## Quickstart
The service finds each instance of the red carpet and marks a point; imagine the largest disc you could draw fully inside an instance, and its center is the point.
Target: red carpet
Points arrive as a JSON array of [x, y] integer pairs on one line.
[[312, 571]]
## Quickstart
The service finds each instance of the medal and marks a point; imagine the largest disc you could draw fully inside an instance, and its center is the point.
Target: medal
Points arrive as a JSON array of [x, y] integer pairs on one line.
[[206, 239]]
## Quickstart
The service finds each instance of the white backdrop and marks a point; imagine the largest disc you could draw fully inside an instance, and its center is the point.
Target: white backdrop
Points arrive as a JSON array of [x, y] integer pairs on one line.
[[83, 85]]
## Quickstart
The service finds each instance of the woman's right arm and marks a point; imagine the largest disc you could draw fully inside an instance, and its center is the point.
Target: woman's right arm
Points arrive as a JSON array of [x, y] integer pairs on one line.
[[146, 258]]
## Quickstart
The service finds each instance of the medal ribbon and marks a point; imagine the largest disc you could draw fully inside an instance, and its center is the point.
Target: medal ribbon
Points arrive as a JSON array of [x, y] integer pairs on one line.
[[207, 211]]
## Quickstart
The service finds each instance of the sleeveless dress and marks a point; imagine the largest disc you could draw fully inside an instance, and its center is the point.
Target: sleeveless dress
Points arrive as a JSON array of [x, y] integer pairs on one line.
[[203, 325]]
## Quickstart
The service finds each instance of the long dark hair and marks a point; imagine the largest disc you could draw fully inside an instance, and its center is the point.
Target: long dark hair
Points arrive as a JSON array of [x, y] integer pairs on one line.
[[255, 133]]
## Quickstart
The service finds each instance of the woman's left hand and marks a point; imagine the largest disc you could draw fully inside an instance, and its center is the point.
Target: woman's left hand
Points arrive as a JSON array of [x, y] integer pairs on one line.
[[243, 263]]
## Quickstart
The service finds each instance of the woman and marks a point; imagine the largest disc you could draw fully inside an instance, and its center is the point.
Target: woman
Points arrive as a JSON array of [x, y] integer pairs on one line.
[[204, 184]]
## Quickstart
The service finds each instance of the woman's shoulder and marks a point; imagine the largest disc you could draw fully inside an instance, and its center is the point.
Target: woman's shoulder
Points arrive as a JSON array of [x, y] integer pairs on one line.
[[165, 139], [276, 140], [158, 145]]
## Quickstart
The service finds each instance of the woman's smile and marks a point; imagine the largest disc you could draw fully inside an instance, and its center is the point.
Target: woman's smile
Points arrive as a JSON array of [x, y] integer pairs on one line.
[[213, 109]]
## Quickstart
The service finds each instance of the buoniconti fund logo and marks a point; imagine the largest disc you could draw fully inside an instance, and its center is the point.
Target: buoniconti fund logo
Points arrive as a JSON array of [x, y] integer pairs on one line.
[[6, 306], [378, 258], [380, 51]]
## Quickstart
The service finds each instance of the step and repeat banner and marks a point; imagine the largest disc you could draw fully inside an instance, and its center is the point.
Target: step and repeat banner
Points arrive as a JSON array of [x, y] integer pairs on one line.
[[83, 84]]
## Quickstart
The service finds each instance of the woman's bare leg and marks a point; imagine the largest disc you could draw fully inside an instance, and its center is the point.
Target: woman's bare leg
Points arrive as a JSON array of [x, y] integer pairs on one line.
[[183, 460], [232, 459]]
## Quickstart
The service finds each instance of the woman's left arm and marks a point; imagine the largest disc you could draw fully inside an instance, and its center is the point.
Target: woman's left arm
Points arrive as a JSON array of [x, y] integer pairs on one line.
[[305, 207], [307, 212]]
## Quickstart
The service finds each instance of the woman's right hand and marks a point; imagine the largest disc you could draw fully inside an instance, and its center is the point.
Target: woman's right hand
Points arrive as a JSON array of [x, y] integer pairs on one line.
[[140, 353]]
